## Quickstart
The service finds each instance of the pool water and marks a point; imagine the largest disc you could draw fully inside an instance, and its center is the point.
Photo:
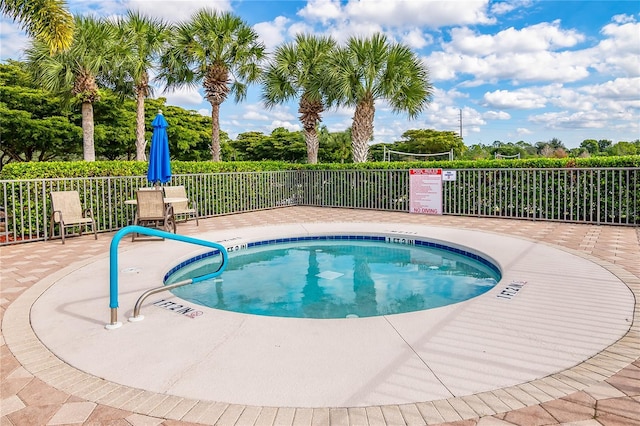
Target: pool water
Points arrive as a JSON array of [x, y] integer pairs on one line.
[[336, 279]]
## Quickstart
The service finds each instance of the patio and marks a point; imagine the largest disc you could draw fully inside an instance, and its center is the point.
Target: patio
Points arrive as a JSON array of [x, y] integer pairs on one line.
[[614, 398]]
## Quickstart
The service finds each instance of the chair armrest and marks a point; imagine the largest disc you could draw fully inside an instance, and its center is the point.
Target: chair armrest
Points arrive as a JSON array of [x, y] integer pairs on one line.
[[88, 213]]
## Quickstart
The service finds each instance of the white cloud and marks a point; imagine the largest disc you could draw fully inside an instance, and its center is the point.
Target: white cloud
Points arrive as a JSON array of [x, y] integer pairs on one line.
[[521, 131], [534, 53], [496, 115], [205, 112], [618, 89], [292, 127], [518, 99], [503, 7], [431, 13], [416, 39], [281, 113], [175, 10], [471, 117], [399, 19], [299, 28], [339, 125], [183, 96], [446, 97], [346, 29], [321, 10], [398, 13], [13, 40], [257, 111], [566, 120], [254, 115], [623, 19], [272, 33], [342, 112], [447, 118], [536, 38], [620, 51]]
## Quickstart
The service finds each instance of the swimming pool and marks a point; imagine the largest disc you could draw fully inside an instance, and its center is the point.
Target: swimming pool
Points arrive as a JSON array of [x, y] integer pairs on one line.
[[337, 276]]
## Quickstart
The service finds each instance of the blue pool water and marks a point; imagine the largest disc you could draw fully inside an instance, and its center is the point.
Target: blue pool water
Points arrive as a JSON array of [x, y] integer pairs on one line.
[[330, 277]]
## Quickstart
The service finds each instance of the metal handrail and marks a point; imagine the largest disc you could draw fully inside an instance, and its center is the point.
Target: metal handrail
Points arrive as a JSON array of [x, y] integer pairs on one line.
[[113, 267]]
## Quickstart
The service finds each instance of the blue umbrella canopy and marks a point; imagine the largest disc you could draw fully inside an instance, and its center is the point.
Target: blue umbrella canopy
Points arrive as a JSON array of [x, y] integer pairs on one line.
[[159, 161]]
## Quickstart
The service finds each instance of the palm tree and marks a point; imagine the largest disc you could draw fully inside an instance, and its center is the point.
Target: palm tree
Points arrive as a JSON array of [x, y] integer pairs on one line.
[[219, 50], [73, 73], [47, 20], [369, 69], [299, 69], [141, 40]]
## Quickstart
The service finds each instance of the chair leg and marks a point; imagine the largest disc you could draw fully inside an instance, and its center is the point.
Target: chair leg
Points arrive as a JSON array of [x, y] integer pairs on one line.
[[133, 234], [51, 226], [62, 229]]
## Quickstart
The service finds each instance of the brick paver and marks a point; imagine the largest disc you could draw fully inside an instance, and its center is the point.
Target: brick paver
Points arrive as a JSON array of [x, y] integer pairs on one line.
[[27, 399]]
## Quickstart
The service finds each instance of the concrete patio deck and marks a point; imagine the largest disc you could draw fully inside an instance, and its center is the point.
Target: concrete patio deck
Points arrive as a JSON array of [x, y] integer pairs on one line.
[[38, 389]]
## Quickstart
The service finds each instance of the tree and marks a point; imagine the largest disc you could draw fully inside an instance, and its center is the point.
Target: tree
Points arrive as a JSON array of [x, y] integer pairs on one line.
[[189, 131], [335, 147], [604, 144], [33, 126], [370, 69], [211, 48], [556, 143], [49, 21], [114, 127], [74, 72], [245, 145], [141, 40], [624, 148], [298, 69], [28, 138], [590, 145], [429, 141], [287, 146], [477, 152]]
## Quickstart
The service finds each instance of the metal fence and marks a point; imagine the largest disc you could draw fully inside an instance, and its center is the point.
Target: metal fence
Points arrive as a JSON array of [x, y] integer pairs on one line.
[[600, 196]]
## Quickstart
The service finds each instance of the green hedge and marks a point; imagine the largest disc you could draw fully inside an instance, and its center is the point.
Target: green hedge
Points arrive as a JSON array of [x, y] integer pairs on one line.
[[68, 169], [62, 169]]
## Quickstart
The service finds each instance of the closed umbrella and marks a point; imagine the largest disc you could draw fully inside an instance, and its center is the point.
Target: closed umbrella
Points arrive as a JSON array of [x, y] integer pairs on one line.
[[159, 162]]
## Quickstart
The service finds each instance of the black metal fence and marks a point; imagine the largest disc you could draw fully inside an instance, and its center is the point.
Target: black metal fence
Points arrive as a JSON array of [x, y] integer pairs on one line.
[[601, 196]]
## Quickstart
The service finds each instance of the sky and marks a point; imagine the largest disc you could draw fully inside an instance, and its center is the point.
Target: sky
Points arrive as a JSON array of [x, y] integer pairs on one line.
[[509, 71]]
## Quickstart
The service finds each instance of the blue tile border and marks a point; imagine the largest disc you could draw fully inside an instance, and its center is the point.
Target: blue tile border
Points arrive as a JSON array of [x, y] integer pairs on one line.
[[417, 242]]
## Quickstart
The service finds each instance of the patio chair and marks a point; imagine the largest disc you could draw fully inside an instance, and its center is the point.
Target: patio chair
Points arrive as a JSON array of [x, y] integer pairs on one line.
[[183, 209], [68, 213], [152, 212]]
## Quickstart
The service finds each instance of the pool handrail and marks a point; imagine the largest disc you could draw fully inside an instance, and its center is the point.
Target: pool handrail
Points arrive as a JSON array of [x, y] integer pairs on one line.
[[113, 262]]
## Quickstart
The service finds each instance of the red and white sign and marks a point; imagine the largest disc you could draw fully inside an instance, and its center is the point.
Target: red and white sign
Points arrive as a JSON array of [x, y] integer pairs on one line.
[[425, 191]]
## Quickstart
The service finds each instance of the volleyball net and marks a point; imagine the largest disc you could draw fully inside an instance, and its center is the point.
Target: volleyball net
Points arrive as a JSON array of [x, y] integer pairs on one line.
[[391, 155]]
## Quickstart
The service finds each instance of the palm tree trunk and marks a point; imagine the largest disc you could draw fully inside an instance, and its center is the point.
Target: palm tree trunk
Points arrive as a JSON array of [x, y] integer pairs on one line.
[[311, 139], [141, 143], [87, 132], [215, 131], [362, 130]]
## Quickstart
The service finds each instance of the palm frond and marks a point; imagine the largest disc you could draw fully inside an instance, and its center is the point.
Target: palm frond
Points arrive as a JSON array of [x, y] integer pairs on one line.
[[49, 21]]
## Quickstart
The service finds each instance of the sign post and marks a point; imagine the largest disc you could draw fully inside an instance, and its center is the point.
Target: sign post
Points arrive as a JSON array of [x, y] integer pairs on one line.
[[425, 191]]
